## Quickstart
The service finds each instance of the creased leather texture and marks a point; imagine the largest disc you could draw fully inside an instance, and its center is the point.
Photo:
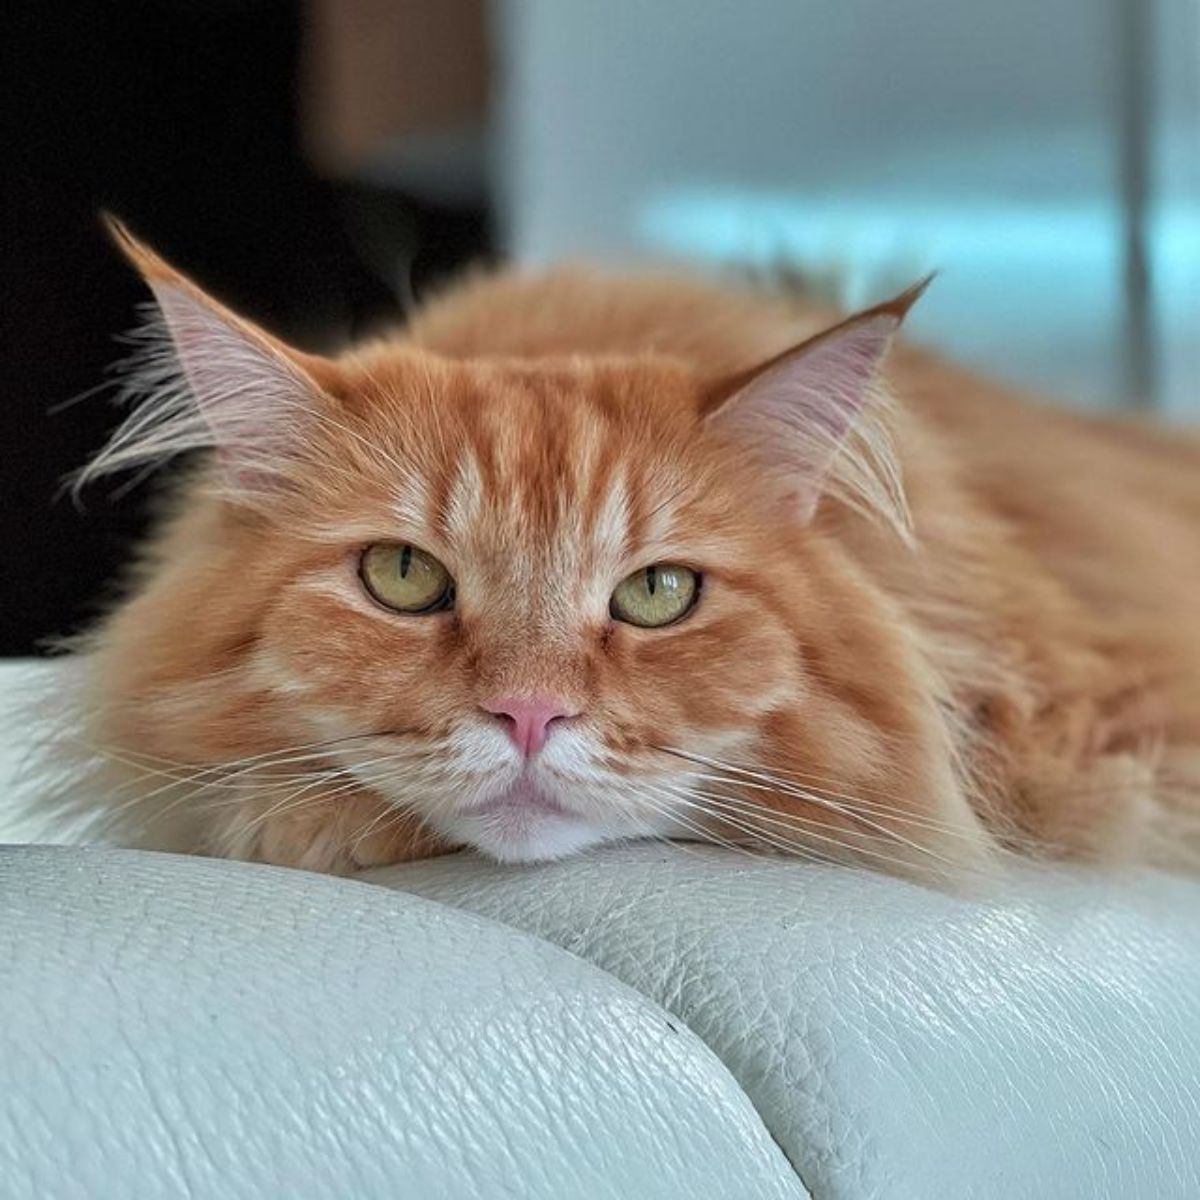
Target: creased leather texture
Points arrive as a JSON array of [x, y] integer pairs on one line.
[[177, 1027], [900, 1043]]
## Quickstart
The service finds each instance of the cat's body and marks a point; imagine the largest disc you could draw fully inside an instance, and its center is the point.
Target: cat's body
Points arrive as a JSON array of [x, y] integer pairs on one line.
[[1019, 668]]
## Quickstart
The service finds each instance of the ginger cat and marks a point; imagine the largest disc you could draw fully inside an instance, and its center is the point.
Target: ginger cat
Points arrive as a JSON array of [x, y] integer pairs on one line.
[[577, 558]]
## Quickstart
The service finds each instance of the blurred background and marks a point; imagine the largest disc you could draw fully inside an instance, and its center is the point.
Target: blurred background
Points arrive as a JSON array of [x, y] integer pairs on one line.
[[320, 165]]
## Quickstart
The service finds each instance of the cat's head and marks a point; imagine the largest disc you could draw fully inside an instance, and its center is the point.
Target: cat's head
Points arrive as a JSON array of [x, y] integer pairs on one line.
[[533, 603]]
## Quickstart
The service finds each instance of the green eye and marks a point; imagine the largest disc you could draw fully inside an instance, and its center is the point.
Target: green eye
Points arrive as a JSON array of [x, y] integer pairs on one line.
[[406, 579], [656, 595]]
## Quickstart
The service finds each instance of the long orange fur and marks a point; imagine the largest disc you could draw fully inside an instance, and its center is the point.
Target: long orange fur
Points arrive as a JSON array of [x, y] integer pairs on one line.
[[984, 639]]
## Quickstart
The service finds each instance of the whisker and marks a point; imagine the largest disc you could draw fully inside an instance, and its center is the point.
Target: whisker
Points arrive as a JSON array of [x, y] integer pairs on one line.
[[832, 805], [1162, 781], [896, 814], [226, 772], [296, 801], [702, 833], [753, 816], [794, 849]]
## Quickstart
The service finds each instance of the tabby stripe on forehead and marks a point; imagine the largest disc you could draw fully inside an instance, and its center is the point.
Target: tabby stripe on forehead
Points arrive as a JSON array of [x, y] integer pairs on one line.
[[470, 476], [459, 495], [546, 461], [606, 497], [634, 507], [610, 534], [441, 498]]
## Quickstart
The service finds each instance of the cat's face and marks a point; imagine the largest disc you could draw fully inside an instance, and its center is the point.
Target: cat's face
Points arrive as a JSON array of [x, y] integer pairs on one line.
[[526, 606], [522, 710]]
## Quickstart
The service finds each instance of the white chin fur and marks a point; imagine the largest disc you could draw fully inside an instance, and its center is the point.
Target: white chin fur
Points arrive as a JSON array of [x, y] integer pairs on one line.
[[535, 837]]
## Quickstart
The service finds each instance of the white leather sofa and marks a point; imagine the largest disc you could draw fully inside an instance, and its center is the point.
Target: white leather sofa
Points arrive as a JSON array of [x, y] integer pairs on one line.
[[641, 1022]]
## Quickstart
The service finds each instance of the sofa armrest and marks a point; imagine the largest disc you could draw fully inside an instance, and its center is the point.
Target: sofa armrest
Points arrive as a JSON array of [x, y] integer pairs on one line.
[[174, 1026], [901, 1043]]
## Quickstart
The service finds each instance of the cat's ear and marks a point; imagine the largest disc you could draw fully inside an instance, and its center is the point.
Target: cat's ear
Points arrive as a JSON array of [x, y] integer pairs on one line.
[[205, 378], [794, 412]]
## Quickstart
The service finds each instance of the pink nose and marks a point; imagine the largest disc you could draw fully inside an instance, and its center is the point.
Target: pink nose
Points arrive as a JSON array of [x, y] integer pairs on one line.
[[528, 718]]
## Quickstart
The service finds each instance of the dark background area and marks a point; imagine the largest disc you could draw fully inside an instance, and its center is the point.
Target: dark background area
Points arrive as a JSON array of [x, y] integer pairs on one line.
[[184, 119]]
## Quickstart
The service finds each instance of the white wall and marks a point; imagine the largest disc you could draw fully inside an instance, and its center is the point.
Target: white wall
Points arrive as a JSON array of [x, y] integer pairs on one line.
[[869, 139]]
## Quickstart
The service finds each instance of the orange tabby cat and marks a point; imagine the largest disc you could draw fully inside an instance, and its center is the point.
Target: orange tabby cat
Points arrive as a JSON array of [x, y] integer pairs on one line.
[[578, 558]]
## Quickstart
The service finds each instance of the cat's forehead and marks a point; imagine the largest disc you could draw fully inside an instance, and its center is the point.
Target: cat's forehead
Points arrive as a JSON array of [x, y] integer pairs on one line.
[[583, 460], [586, 462]]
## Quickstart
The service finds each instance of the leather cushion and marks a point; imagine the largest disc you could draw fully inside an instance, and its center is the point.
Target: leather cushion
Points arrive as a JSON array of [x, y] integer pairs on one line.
[[174, 1026], [899, 1042]]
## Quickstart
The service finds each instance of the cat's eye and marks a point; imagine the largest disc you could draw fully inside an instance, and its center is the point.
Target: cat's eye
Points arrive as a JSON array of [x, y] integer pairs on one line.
[[406, 579], [656, 595]]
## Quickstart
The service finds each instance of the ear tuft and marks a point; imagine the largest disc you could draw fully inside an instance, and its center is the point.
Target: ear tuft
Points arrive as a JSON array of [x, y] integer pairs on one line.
[[800, 414], [900, 306], [202, 377], [144, 260]]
